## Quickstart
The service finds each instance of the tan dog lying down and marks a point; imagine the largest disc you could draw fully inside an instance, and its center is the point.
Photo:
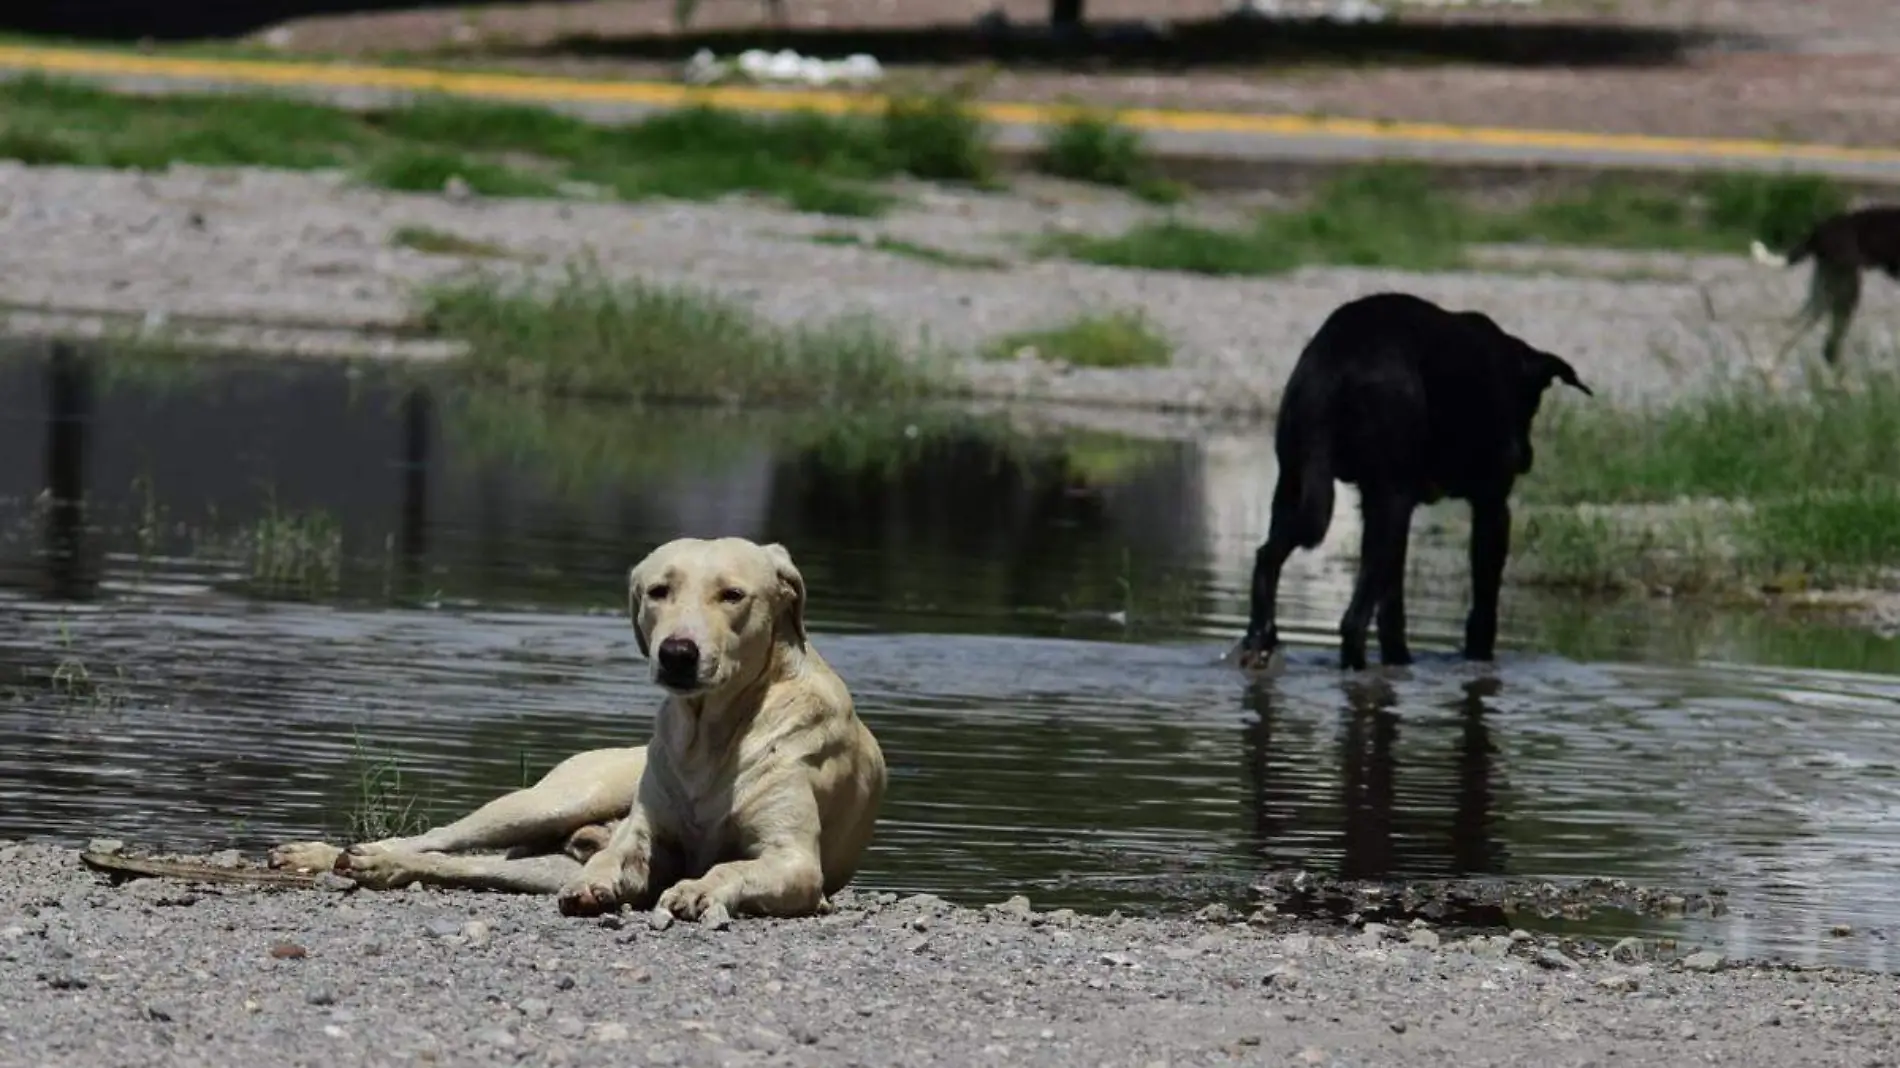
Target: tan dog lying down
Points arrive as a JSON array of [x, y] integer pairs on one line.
[[758, 791]]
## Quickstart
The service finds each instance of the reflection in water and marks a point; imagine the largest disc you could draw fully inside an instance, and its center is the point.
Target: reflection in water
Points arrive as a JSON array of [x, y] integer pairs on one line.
[[68, 418], [1030, 623]]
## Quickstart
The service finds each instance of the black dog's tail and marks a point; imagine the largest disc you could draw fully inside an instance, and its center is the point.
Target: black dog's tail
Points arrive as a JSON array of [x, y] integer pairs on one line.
[[1763, 255], [1303, 501]]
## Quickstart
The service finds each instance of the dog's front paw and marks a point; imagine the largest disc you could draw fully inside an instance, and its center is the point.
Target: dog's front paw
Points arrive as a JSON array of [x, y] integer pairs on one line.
[[305, 856], [691, 899], [373, 867]]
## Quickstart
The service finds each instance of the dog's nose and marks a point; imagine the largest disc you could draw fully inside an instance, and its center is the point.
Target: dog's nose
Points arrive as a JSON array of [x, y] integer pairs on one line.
[[679, 658]]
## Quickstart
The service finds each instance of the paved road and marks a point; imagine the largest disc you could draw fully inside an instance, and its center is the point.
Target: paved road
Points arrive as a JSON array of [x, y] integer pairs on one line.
[[1206, 134]]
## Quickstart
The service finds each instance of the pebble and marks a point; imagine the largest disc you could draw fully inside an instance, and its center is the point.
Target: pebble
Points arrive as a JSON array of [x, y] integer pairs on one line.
[[1215, 913], [1620, 983], [1703, 961], [288, 951], [659, 919], [534, 1008], [1627, 949], [321, 996], [1016, 905], [476, 932], [570, 1026], [611, 1031], [108, 846], [1424, 939], [1554, 960], [444, 927]]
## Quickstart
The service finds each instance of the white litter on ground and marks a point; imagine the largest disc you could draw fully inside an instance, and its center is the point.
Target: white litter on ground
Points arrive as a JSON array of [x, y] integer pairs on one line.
[[758, 65]]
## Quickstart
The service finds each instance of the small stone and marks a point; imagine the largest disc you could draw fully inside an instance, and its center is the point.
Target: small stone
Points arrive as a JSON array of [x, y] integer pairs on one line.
[[334, 883], [498, 1037], [1017, 905], [108, 846], [716, 918], [321, 996], [444, 928], [659, 919], [1398, 1027], [565, 982], [288, 951], [1375, 931], [1620, 983], [1687, 1031], [1520, 936], [1424, 939], [1627, 949], [1841, 930], [1262, 916], [476, 932], [1703, 961], [457, 188], [569, 1026], [66, 981], [1215, 913], [1313, 1055], [917, 945], [534, 1008], [612, 921], [1555, 961], [1285, 978], [1120, 960], [225, 858], [611, 1031]]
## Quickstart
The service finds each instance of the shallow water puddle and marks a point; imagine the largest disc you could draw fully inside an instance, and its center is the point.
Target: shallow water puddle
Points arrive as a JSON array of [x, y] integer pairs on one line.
[[289, 583]]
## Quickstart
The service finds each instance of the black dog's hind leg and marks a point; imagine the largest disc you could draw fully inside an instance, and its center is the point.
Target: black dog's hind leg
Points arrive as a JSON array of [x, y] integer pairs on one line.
[[1393, 652], [1386, 520], [1841, 289], [1490, 544], [1268, 561]]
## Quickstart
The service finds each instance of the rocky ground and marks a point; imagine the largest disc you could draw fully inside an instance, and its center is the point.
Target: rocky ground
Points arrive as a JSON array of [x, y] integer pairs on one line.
[[308, 261], [160, 972]]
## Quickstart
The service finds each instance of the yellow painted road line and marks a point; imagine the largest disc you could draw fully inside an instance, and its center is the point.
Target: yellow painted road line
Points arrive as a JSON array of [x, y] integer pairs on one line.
[[84, 62]]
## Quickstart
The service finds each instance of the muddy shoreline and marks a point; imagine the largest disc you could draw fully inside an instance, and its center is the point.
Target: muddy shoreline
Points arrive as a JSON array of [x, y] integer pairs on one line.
[[162, 972]]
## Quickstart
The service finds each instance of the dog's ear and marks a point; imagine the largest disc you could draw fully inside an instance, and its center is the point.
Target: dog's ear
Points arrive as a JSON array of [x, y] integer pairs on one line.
[[636, 590], [791, 590], [1552, 368]]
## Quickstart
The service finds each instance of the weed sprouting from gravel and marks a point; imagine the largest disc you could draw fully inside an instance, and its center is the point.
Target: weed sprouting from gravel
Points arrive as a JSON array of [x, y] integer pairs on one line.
[[593, 336], [436, 242], [937, 136], [896, 246], [383, 807], [1115, 339]]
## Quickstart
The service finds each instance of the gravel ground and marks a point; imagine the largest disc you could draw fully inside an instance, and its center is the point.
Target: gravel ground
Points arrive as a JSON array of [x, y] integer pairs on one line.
[[158, 972], [301, 256]]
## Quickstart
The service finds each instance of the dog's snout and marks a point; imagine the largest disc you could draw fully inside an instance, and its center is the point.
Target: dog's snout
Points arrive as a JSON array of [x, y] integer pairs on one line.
[[679, 658]]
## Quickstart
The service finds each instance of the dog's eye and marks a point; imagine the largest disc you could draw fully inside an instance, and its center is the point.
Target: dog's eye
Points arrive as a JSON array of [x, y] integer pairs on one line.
[[731, 595], [657, 593]]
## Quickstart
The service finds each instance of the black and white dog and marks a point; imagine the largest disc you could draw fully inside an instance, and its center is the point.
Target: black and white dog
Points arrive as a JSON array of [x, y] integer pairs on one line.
[[1412, 403], [1842, 246]]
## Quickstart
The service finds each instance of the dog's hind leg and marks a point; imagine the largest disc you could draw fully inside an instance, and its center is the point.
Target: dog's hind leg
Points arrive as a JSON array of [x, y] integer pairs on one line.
[[1301, 514], [1393, 650], [1841, 287], [393, 869], [1490, 545], [1386, 520], [596, 786]]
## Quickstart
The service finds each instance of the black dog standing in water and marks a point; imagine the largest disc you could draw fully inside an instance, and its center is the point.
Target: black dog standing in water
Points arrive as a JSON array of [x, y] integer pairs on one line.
[[1842, 247], [1411, 403]]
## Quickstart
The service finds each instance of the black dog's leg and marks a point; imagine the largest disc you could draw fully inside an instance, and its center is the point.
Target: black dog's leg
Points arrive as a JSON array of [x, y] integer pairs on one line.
[[1386, 518], [1490, 544], [1842, 288], [1393, 651], [1262, 635]]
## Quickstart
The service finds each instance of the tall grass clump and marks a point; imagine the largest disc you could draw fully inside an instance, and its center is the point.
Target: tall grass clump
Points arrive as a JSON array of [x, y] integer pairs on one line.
[[1113, 340], [937, 137], [592, 336], [1092, 146], [1777, 486]]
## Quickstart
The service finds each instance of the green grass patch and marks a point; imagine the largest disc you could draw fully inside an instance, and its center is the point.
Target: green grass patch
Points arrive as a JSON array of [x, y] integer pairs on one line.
[[1091, 146], [592, 336], [1744, 486], [1397, 216], [1117, 339], [434, 242], [811, 161], [896, 246]]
